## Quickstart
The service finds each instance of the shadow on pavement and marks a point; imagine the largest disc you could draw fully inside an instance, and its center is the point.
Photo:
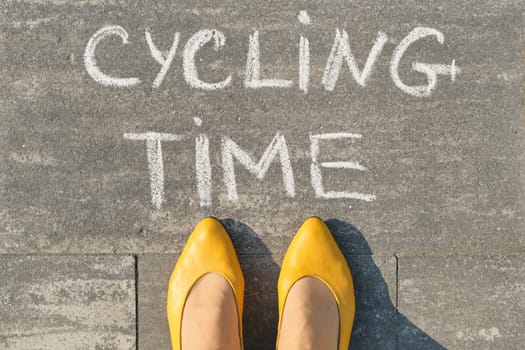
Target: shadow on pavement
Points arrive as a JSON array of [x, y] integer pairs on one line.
[[260, 297], [377, 324]]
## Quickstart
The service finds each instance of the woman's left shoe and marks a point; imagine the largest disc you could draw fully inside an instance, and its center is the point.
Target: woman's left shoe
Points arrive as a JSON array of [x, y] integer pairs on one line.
[[209, 250], [313, 252]]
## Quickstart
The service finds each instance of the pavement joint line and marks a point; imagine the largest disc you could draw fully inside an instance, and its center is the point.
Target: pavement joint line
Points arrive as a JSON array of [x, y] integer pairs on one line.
[[396, 301], [397, 255], [452, 254], [136, 302], [65, 254], [397, 281]]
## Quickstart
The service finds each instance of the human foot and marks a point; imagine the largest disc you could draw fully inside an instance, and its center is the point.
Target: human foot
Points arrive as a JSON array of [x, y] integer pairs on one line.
[[310, 318], [209, 320]]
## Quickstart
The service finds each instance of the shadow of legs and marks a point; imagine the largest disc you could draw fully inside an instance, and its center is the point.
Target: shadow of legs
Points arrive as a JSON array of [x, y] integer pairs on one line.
[[261, 273], [377, 325]]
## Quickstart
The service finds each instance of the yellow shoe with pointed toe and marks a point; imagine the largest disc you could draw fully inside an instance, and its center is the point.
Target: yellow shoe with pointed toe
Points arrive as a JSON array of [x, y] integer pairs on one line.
[[209, 249], [314, 253]]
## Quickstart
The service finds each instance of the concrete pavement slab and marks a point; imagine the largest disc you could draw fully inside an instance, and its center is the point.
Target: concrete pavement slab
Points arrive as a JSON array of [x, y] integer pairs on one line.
[[422, 173], [462, 302], [67, 302]]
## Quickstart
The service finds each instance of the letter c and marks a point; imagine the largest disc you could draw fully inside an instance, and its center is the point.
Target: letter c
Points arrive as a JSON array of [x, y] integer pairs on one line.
[[194, 44], [91, 63]]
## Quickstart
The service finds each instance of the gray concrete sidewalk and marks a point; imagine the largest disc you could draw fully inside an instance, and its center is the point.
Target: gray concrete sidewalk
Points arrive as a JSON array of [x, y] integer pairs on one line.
[[125, 122], [403, 302], [88, 302]]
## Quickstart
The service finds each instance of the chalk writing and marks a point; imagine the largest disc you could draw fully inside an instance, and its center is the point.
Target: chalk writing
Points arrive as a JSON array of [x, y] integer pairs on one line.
[[253, 67], [431, 70], [165, 62], [203, 169], [317, 177], [277, 147], [91, 64], [231, 151], [341, 51], [304, 54], [340, 54], [155, 163], [340, 60], [197, 41]]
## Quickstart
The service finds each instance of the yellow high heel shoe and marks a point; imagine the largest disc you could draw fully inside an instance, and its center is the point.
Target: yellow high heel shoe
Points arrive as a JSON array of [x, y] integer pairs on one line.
[[313, 252], [209, 249]]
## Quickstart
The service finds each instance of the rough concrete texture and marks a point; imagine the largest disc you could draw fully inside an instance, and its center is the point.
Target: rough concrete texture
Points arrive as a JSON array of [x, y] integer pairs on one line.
[[67, 302], [464, 302], [446, 170]]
